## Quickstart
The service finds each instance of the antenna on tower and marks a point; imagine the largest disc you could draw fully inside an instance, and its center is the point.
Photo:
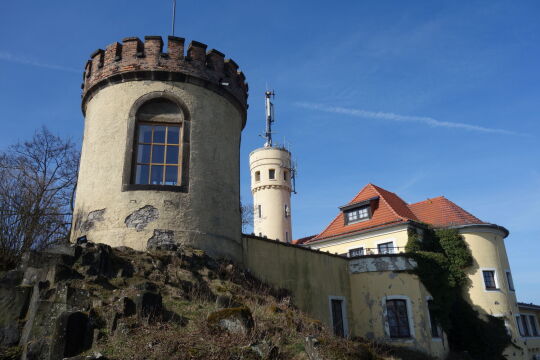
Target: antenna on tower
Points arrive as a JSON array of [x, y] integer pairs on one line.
[[269, 117], [173, 15]]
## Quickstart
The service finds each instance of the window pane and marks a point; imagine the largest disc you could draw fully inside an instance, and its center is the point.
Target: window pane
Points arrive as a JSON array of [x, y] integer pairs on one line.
[[433, 320], [489, 279], [145, 133], [171, 175], [510, 281], [172, 154], [173, 135], [386, 248], [271, 174], [141, 175], [158, 154], [398, 321], [156, 177], [159, 134], [534, 330], [525, 325], [143, 154]]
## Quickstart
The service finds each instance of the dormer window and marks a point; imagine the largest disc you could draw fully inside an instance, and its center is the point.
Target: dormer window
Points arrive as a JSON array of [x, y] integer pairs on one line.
[[358, 211], [358, 214]]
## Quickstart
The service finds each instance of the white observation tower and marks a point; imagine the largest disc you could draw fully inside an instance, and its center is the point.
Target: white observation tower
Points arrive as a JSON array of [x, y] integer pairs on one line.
[[272, 181]]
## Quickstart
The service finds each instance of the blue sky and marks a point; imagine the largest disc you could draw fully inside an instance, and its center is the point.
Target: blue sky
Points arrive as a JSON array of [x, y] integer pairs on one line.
[[423, 98]]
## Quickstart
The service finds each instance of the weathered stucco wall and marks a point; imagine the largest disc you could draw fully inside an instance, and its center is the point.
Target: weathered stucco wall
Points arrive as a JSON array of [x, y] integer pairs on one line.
[[310, 276], [369, 292], [206, 216], [313, 277]]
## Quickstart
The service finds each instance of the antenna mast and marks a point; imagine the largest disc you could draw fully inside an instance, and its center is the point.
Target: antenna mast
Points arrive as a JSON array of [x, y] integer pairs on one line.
[[173, 15], [269, 117]]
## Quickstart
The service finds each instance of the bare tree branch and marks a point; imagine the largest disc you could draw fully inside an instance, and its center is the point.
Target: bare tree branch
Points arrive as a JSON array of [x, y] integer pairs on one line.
[[37, 179]]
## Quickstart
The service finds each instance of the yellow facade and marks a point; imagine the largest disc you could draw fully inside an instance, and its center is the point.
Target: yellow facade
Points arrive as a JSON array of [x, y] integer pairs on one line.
[[314, 278], [397, 235], [486, 243]]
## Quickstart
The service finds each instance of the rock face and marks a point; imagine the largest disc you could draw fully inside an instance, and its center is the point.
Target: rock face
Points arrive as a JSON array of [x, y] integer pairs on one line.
[[233, 320], [49, 303], [43, 310]]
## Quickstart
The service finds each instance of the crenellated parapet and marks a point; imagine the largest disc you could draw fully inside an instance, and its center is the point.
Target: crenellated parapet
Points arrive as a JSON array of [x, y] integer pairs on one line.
[[134, 60]]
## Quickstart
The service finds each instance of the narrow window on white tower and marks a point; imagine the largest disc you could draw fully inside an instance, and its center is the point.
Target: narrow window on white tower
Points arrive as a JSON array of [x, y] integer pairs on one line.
[[286, 211], [257, 176], [259, 211], [285, 176], [272, 174]]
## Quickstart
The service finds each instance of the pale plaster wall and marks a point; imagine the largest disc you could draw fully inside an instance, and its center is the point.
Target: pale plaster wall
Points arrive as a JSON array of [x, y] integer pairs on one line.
[[206, 216], [272, 195], [489, 253], [369, 290], [313, 277], [398, 235]]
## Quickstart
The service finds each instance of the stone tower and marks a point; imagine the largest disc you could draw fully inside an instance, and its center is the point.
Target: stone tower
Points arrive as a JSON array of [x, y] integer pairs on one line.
[[160, 156], [272, 176]]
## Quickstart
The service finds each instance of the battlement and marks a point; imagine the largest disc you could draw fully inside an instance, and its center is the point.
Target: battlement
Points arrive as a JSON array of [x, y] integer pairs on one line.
[[134, 60]]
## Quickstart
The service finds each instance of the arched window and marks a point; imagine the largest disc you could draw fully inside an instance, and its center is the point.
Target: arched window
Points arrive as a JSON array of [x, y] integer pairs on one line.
[[158, 143]]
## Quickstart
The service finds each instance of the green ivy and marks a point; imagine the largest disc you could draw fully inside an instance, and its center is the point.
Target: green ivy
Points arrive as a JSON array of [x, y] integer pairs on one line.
[[442, 257]]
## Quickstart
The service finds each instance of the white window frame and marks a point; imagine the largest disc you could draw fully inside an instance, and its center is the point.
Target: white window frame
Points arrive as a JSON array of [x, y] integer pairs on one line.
[[356, 247], [409, 317], [497, 284], [392, 240], [343, 313], [439, 328], [519, 325], [535, 319], [513, 287]]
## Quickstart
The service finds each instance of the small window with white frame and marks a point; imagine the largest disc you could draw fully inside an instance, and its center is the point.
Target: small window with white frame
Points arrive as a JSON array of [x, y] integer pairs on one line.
[[435, 327], [398, 316], [524, 321], [272, 174], [534, 325], [359, 251], [510, 281], [386, 248], [358, 214], [490, 279]]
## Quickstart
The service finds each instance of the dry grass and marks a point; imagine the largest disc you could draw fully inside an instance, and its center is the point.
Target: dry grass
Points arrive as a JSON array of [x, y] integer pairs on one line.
[[189, 282]]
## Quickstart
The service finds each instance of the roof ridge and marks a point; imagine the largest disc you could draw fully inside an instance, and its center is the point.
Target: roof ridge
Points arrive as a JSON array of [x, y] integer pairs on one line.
[[377, 188], [429, 199], [453, 204]]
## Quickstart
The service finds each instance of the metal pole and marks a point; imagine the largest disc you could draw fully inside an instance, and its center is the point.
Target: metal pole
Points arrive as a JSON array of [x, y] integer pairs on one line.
[[173, 16]]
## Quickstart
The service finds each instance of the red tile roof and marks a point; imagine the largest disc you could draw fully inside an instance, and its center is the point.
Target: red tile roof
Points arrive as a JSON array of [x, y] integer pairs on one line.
[[440, 211], [389, 209]]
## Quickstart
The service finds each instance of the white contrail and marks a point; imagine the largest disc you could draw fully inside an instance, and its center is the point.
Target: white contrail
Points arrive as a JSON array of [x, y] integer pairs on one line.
[[6, 56], [403, 118]]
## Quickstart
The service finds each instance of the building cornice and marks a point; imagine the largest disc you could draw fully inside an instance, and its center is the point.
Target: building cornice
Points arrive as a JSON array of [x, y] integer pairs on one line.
[[266, 187]]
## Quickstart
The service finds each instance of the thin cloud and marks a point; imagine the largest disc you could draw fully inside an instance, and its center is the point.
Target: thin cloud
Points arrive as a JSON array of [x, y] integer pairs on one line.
[[6, 56], [404, 118]]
